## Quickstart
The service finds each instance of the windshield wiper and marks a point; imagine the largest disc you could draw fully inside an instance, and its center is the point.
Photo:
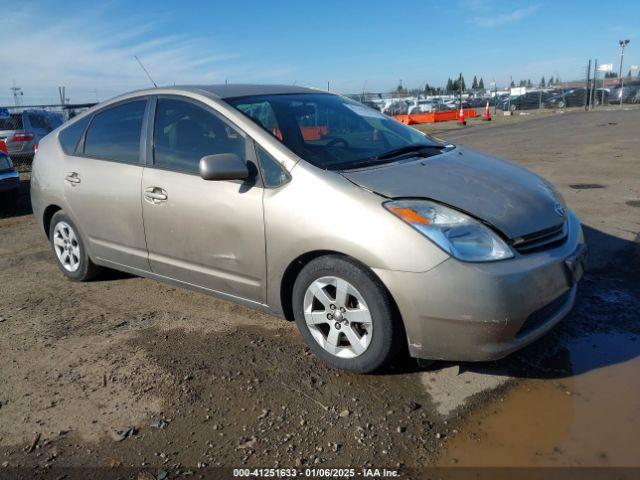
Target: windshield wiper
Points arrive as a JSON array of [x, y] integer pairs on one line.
[[406, 149], [384, 157]]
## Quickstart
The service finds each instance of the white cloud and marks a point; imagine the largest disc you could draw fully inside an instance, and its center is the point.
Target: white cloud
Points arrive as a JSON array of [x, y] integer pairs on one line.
[[499, 19], [93, 55]]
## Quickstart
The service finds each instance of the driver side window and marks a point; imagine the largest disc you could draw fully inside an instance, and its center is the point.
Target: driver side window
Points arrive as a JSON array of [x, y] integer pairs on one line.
[[185, 132]]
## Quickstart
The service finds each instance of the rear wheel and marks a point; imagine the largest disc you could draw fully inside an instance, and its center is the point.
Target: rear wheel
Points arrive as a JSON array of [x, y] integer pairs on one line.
[[345, 315], [69, 250]]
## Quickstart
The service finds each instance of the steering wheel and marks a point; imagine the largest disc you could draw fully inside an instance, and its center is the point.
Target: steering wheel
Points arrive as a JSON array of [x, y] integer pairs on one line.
[[335, 141]]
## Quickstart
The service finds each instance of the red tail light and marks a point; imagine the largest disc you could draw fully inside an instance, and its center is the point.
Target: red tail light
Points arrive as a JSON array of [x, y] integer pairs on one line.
[[35, 149], [23, 137]]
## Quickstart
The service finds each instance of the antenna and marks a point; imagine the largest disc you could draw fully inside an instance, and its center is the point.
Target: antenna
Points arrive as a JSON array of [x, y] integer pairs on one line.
[[145, 70]]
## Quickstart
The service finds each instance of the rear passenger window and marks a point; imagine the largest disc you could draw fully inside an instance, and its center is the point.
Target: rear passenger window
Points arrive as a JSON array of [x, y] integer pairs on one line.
[[114, 134], [70, 136], [185, 132]]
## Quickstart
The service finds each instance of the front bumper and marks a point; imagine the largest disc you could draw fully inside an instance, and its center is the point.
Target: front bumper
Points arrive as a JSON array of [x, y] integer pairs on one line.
[[9, 180], [485, 311]]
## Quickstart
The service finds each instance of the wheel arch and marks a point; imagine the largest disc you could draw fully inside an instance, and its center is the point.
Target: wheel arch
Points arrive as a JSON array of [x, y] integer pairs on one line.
[[295, 267], [48, 214]]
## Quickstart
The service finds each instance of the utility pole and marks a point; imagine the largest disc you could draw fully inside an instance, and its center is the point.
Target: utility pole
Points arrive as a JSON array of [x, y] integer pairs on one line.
[[592, 96], [623, 44], [61, 92], [586, 97], [17, 95]]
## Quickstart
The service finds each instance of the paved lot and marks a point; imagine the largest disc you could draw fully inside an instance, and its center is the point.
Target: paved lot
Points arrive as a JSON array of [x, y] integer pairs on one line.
[[127, 371]]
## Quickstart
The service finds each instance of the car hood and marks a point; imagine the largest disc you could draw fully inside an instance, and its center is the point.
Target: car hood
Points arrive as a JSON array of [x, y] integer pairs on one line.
[[511, 199]]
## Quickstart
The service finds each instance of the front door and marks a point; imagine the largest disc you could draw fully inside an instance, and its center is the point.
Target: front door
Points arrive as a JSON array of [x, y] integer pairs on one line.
[[204, 233]]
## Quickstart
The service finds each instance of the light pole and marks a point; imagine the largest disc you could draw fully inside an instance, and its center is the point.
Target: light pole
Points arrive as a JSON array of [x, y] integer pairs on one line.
[[623, 43]]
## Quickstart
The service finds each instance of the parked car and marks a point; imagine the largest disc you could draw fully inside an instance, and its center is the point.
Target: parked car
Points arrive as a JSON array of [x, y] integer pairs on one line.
[[423, 106], [576, 97], [629, 92], [22, 131], [526, 101], [395, 106], [374, 237], [371, 104], [9, 180]]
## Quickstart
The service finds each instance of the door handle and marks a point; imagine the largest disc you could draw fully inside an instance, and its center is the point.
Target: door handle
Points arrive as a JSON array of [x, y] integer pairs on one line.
[[73, 178], [155, 195]]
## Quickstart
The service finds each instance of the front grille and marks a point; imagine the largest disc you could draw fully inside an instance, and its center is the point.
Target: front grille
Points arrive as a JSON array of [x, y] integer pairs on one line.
[[540, 316], [541, 240]]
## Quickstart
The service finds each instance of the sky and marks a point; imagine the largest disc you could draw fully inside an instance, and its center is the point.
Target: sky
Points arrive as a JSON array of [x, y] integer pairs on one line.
[[350, 45]]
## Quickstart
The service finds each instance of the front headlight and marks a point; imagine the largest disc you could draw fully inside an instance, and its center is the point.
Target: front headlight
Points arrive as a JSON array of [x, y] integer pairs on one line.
[[457, 234]]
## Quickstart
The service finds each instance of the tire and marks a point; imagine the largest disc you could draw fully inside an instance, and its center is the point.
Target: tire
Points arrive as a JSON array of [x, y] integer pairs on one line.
[[64, 237], [513, 108], [561, 104], [351, 342]]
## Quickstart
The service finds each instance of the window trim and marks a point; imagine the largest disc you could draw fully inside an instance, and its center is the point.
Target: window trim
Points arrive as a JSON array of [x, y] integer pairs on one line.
[[80, 147], [250, 153]]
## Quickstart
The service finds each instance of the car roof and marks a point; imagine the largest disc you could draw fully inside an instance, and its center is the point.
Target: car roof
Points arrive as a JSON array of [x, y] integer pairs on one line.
[[244, 90]]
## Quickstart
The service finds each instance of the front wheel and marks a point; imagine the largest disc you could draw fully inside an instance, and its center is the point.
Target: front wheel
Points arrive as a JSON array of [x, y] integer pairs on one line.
[[69, 250], [346, 315]]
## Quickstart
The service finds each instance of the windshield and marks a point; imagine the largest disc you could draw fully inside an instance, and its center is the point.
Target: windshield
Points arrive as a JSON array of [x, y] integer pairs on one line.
[[331, 132]]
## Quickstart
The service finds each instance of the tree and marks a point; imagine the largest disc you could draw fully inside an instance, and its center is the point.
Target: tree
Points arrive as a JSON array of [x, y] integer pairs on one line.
[[521, 84], [629, 74], [481, 84], [474, 85], [551, 82], [449, 86], [512, 84], [611, 75], [529, 84], [542, 84]]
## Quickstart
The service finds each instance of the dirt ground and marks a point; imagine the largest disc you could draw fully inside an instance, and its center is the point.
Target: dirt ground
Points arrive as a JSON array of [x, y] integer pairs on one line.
[[127, 372]]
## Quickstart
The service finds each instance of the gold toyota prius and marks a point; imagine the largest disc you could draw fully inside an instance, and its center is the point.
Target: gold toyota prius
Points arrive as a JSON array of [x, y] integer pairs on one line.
[[375, 238]]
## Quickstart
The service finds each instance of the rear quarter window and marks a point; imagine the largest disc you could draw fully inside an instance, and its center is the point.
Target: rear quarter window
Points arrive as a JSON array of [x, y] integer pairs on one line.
[[38, 121], [70, 136]]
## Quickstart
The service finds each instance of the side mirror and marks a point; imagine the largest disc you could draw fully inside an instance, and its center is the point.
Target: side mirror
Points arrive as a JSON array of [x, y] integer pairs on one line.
[[223, 166]]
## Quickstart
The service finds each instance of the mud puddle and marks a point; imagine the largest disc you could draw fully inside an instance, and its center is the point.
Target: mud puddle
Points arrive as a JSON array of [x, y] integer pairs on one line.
[[582, 409]]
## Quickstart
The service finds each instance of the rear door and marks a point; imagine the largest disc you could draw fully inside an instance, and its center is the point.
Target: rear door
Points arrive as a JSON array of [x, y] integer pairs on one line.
[[102, 184], [204, 233]]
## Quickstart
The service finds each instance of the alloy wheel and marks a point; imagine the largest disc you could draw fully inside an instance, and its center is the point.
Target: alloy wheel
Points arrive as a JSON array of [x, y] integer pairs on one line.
[[338, 317], [67, 247]]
